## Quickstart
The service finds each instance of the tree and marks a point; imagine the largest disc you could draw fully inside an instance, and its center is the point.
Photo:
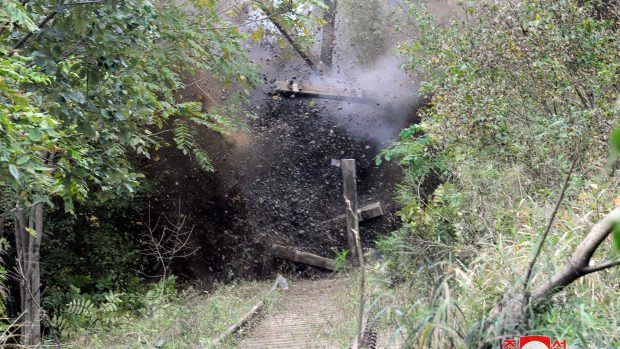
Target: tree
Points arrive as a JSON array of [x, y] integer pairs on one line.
[[85, 85], [88, 85], [295, 21], [545, 69], [167, 240]]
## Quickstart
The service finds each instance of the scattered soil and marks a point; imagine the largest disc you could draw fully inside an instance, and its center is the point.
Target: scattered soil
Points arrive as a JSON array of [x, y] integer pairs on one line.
[[275, 183]]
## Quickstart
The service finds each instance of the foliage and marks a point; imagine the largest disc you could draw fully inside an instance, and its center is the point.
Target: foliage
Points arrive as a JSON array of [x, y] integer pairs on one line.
[[85, 87], [341, 259], [450, 287], [81, 314], [518, 91], [92, 83], [420, 160], [90, 263], [25, 132], [427, 232], [299, 18], [539, 72], [178, 320], [101, 311], [94, 251]]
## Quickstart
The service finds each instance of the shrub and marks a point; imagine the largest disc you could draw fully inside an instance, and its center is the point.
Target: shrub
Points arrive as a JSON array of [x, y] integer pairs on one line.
[[518, 92]]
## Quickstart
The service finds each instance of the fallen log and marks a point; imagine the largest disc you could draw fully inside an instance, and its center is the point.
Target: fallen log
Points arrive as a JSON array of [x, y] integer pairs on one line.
[[302, 257]]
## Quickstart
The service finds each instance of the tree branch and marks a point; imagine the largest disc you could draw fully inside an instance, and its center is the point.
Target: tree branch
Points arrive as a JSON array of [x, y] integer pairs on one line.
[[170, 242], [602, 266], [579, 263], [311, 61], [530, 267], [86, 2], [45, 20], [22, 42]]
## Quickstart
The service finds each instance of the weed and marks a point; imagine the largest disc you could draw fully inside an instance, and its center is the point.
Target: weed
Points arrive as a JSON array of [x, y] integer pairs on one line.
[[174, 319]]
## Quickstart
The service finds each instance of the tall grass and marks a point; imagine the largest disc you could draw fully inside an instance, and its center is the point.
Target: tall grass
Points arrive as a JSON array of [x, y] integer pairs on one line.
[[449, 290]]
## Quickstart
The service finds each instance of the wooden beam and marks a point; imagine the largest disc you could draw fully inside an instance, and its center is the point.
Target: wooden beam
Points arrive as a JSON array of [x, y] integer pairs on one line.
[[303, 89], [349, 179], [303, 257], [370, 211], [247, 316]]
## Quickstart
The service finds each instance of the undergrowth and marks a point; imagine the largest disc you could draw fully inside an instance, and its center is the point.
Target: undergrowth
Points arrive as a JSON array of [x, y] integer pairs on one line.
[[518, 92], [177, 319]]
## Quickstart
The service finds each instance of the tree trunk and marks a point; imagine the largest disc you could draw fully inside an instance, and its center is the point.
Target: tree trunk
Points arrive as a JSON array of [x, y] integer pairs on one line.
[[28, 234], [327, 41]]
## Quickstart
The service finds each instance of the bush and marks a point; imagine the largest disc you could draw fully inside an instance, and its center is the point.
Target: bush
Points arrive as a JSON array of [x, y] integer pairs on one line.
[[91, 264], [518, 92]]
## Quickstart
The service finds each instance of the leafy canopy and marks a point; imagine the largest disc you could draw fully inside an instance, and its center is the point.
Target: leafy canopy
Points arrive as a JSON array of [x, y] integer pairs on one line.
[[527, 84], [84, 84]]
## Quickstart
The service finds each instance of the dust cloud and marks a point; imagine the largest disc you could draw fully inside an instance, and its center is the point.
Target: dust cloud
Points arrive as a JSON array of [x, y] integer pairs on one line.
[[392, 98], [365, 57]]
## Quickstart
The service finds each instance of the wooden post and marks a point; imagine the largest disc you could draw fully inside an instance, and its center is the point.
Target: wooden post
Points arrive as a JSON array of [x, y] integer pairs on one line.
[[349, 180]]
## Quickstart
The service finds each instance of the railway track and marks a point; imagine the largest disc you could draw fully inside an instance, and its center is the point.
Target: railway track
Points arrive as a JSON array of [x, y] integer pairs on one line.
[[312, 314], [304, 318]]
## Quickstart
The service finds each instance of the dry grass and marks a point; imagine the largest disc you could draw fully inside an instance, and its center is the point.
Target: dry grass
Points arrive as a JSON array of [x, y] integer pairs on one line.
[[448, 299]]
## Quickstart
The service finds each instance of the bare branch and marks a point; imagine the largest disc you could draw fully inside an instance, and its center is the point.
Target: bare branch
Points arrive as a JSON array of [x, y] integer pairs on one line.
[[168, 240], [530, 267], [602, 266], [4, 334]]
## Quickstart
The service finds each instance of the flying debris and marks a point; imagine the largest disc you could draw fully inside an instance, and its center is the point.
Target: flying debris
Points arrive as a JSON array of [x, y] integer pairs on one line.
[[293, 88]]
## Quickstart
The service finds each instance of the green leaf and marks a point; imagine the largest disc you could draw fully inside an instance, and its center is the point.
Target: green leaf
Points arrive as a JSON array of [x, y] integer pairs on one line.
[[14, 172], [18, 14], [615, 140], [616, 236], [34, 134], [22, 160], [31, 231]]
